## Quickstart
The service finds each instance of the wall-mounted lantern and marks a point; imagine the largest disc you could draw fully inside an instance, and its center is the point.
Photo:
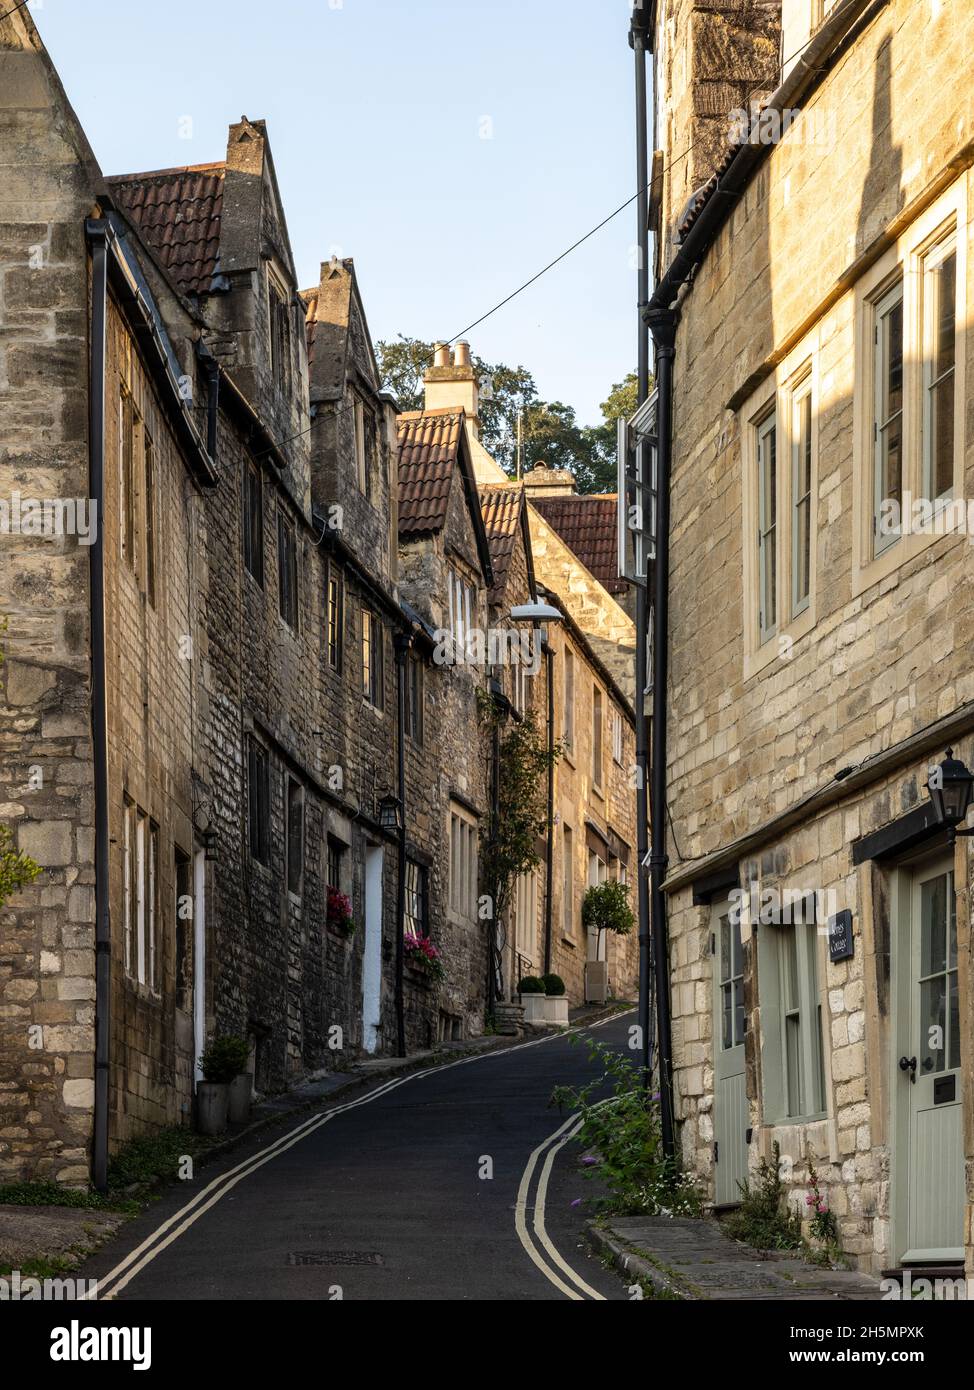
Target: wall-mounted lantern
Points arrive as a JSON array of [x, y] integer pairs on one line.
[[951, 786], [390, 813]]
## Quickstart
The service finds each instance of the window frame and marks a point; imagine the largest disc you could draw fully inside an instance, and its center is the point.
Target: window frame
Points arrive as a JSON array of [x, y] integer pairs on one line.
[[932, 258], [253, 521], [567, 883], [279, 328], [415, 694], [803, 1014], [568, 674], [598, 738], [892, 298], [287, 571], [373, 659], [907, 260], [464, 868], [258, 800], [780, 396], [768, 531], [416, 895], [334, 617]]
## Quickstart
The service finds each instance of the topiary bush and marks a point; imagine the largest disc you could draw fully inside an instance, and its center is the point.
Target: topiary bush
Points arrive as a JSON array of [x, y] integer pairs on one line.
[[554, 986], [224, 1059], [531, 985]]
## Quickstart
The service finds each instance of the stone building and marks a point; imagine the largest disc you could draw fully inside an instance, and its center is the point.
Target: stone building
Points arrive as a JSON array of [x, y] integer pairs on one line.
[[591, 653], [815, 293]]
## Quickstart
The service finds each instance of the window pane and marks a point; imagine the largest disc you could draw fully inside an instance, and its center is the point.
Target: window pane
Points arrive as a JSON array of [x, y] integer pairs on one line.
[[942, 281], [726, 968], [793, 1063], [933, 926], [727, 1031], [933, 1023], [738, 1011]]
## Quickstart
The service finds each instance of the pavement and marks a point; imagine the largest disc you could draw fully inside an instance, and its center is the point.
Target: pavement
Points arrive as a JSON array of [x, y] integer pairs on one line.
[[29, 1234], [695, 1260]]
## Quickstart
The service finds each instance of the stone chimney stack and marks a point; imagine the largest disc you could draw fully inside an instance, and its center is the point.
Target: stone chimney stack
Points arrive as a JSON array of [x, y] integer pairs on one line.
[[450, 384], [543, 481]]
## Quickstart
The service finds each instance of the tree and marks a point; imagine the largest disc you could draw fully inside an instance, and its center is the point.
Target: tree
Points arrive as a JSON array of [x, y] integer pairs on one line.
[[550, 430], [508, 848]]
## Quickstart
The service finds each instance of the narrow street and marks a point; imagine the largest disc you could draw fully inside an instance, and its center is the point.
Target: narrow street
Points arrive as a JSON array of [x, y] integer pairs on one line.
[[384, 1199]]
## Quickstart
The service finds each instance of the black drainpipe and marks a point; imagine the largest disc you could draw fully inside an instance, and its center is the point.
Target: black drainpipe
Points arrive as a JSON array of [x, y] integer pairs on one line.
[[662, 323], [97, 234], [403, 641], [550, 846], [639, 40]]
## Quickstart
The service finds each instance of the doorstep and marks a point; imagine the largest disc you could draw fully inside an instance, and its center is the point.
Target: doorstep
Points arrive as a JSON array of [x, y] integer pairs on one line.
[[693, 1259]]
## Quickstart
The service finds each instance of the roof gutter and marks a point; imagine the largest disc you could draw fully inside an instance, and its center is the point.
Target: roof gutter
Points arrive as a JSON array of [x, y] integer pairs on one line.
[[838, 31]]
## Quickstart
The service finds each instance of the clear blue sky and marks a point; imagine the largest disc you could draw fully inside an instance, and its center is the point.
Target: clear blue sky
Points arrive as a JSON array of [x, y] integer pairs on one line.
[[375, 110]]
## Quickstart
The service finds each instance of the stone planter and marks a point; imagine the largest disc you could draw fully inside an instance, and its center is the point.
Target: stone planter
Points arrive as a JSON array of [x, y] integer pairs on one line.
[[596, 982], [556, 1010], [212, 1106], [533, 1005], [241, 1093]]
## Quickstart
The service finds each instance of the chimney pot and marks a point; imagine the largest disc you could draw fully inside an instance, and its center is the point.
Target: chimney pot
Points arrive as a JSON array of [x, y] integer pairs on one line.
[[461, 357], [441, 355]]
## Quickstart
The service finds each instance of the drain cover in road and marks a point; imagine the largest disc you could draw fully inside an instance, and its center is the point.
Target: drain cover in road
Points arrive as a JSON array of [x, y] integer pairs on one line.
[[334, 1257]]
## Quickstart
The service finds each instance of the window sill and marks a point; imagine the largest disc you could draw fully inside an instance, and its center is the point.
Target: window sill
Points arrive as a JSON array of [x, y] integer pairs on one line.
[[568, 941], [894, 557], [772, 650]]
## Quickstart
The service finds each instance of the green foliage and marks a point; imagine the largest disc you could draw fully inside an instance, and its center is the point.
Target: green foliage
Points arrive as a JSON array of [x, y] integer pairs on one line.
[[153, 1158], [605, 907], [531, 984], [622, 1141], [554, 986], [763, 1218], [551, 432], [224, 1059], [16, 869], [508, 847], [52, 1194]]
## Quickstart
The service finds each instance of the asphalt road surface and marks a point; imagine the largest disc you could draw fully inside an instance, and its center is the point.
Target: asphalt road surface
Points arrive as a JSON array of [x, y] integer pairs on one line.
[[446, 1184]]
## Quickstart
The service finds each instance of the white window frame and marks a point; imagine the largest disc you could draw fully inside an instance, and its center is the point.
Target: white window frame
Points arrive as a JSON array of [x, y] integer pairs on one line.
[[463, 836], [780, 398], [598, 738], [908, 260], [567, 883], [568, 736], [617, 738], [462, 596], [892, 298], [775, 943], [526, 915], [768, 525], [932, 259]]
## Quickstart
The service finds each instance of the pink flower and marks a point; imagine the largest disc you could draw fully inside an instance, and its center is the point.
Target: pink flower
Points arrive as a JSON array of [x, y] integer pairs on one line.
[[810, 1199], [821, 1208]]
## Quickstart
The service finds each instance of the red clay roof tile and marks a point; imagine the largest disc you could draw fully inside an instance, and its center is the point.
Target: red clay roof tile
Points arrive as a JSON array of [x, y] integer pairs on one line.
[[429, 448], [587, 525], [177, 213]]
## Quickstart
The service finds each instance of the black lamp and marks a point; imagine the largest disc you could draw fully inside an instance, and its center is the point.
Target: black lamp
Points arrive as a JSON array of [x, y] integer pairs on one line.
[[951, 786], [390, 813]]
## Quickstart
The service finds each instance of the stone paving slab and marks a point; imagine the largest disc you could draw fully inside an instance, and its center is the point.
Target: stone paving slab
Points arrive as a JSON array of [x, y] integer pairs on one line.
[[696, 1260], [37, 1233]]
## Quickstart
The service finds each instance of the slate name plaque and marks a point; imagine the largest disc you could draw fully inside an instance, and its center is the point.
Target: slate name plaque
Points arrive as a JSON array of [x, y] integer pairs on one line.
[[841, 944]]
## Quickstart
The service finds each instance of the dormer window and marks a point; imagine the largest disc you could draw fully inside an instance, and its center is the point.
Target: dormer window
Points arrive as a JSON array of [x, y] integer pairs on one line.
[[279, 327]]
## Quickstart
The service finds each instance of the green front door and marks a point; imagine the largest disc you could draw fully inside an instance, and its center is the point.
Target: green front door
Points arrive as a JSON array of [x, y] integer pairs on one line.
[[929, 1075], [730, 1101]]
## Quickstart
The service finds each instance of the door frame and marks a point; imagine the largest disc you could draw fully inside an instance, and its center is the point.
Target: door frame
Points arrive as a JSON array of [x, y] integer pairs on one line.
[[901, 1041], [724, 907], [372, 894]]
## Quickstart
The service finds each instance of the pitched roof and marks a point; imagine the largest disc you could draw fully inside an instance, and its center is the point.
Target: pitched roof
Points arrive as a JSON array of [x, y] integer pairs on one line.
[[429, 449], [501, 507], [588, 526], [177, 213]]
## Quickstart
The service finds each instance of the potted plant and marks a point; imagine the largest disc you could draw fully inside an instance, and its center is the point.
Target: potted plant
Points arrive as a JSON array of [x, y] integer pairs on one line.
[[532, 992], [555, 1004], [222, 1063], [422, 955], [339, 912], [605, 908]]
